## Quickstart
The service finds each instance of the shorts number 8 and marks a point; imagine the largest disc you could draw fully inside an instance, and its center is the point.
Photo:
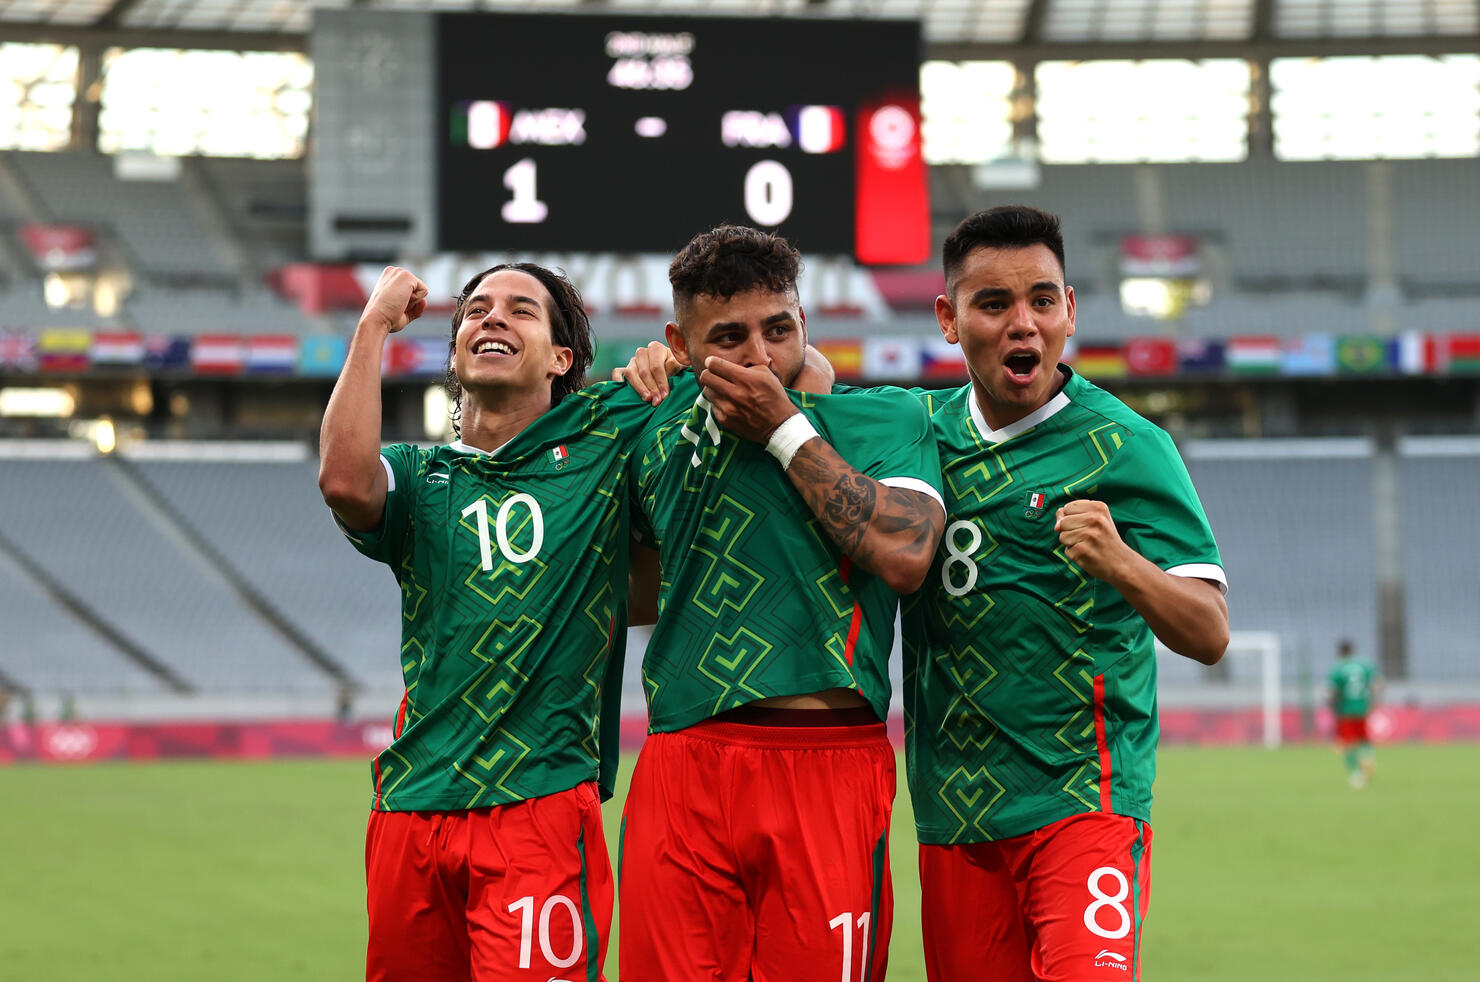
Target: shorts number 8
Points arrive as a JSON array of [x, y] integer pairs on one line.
[[1102, 899]]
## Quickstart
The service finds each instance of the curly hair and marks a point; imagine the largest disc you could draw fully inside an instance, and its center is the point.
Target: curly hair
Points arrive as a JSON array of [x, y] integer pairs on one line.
[[1004, 227], [733, 259], [570, 327]]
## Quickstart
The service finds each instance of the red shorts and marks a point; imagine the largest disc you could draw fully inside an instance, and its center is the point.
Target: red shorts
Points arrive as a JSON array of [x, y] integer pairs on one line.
[[1061, 904], [1352, 729], [517, 891], [758, 852]]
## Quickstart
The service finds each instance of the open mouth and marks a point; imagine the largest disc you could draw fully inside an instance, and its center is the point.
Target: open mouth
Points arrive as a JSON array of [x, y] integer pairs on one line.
[[488, 346], [1021, 365]]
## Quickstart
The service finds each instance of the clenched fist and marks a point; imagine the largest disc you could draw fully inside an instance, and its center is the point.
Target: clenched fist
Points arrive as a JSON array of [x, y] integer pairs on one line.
[[398, 299], [1090, 539]]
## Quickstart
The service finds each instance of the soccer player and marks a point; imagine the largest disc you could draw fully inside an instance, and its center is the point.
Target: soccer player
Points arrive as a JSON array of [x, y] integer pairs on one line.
[[755, 833], [1354, 690], [1073, 536], [485, 857]]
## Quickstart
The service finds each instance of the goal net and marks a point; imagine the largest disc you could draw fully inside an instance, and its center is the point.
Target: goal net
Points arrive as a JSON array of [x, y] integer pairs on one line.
[[1247, 681]]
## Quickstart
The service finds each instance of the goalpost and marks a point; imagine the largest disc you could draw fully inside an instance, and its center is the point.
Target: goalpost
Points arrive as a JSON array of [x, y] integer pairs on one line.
[[1249, 671]]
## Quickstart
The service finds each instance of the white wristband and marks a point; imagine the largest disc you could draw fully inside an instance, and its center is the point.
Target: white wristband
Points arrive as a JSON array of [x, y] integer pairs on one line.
[[789, 437]]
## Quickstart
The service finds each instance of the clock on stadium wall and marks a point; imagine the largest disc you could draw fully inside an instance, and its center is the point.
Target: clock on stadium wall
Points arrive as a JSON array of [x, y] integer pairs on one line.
[[631, 133]]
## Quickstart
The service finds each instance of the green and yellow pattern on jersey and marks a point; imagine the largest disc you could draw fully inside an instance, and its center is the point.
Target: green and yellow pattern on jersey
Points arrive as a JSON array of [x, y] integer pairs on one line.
[[756, 600], [513, 574], [1030, 687]]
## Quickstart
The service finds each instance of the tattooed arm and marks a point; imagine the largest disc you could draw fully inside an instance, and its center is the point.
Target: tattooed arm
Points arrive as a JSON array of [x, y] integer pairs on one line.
[[890, 532]]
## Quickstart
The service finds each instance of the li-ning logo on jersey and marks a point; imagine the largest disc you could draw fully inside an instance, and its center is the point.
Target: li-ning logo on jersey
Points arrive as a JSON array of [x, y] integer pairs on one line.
[[1037, 501], [1111, 959], [710, 427], [442, 477]]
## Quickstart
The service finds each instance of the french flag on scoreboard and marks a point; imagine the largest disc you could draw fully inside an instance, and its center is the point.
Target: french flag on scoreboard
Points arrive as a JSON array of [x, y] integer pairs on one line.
[[483, 124], [817, 129]]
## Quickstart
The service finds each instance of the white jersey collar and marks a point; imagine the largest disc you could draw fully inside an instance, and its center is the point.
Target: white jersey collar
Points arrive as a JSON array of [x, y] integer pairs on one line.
[[457, 446], [1029, 421]]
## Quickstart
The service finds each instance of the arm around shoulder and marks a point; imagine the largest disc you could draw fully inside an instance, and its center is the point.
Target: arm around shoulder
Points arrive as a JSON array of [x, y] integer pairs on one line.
[[890, 527]]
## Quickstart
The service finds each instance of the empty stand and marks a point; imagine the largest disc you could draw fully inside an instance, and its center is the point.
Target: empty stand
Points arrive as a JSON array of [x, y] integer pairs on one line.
[[152, 218], [78, 520], [1441, 561], [48, 648], [268, 521], [1294, 522]]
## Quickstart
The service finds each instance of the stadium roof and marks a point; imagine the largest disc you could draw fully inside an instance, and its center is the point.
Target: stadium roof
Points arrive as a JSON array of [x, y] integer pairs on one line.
[[947, 22]]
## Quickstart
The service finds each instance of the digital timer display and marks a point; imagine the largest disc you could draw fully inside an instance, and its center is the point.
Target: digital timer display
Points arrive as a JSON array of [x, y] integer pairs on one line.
[[630, 133]]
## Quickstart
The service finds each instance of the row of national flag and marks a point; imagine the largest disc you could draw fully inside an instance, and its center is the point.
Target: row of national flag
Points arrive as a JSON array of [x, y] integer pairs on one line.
[[77, 351], [886, 359], [1252, 356]]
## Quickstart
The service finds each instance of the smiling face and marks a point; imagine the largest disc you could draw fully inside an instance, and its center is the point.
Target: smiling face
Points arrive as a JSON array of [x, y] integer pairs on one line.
[[1011, 312], [504, 340], [758, 327]]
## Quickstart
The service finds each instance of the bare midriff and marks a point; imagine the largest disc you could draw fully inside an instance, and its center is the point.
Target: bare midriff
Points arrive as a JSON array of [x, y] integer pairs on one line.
[[826, 699]]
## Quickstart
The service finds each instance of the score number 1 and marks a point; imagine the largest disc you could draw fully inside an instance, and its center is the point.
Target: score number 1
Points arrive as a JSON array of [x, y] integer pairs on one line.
[[768, 194]]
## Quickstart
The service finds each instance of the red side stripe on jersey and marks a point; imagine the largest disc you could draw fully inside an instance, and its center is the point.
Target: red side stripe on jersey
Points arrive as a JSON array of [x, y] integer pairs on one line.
[[1102, 744], [400, 725], [856, 622], [401, 715]]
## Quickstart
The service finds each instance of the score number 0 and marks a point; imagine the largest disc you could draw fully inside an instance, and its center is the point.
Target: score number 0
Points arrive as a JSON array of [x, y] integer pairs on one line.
[[768, 194]]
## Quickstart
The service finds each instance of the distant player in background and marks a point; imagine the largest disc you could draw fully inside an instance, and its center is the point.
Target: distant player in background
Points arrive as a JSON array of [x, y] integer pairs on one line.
[[755, 833], [485, 858], [1073, 536], [1354, 691]]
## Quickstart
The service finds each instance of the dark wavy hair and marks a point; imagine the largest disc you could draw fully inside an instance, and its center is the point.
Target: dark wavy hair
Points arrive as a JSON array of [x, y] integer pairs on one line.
[[570, 327], [1004, 227], [733, 259]]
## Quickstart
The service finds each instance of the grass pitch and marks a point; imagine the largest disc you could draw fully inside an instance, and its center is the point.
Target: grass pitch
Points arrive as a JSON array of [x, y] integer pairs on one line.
[[1265, 866]]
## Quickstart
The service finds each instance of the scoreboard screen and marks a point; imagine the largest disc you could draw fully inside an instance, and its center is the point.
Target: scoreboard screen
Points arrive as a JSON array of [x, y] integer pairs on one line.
[[632, 133]]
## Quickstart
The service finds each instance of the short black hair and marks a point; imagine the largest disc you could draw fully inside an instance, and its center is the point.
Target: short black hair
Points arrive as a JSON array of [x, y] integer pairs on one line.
[[1003, 227], [570, 327], [1345, 647], [732, 259]]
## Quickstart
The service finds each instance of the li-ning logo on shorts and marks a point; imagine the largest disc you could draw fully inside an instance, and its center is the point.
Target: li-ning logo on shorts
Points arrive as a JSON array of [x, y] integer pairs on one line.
[[1111, 959]]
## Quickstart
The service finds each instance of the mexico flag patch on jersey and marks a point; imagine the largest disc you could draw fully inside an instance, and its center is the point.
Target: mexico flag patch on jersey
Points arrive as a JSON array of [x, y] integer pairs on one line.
[[559, 455], [1037, 500]]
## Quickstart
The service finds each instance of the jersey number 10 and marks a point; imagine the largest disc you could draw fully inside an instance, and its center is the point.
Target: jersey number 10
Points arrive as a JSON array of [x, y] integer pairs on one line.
[[479, 509]]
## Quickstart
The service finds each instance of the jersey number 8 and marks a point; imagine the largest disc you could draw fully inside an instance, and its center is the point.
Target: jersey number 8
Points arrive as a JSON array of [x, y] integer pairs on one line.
[[957, 557]]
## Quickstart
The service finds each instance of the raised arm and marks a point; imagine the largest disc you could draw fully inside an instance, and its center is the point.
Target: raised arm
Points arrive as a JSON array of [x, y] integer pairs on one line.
[[351, 478], [1187, 614], [890, 532]]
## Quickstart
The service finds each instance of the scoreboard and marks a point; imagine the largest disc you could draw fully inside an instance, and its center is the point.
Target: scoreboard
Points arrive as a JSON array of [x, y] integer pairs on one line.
[[632, 133]]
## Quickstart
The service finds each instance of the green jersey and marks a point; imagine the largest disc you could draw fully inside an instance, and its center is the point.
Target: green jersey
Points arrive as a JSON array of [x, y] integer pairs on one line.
[[1351, 684], [755, 599], [1030, 687], [513, 574]]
